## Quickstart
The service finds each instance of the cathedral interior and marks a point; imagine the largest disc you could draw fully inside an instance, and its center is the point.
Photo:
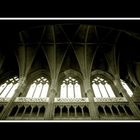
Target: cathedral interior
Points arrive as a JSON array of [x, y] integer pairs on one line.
[[69, 70]]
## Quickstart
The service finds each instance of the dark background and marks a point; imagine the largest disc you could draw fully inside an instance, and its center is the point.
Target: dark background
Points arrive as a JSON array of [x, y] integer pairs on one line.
[[49, 130]]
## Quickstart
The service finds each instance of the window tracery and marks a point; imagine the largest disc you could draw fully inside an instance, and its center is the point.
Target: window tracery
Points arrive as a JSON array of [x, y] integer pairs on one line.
[[39, 88], [7, 89], [70, 88], [102, 88]]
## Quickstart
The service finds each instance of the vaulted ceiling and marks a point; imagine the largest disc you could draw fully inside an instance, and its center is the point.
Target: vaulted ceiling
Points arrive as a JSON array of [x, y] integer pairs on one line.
[[112, 46]]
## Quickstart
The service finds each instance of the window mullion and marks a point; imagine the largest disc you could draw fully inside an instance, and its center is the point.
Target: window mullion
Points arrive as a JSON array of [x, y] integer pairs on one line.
[[41, 90], [34, 91], [70, 88], [67, 90], [4, 89], [74, 90], [106, 91], [100, 91], [9, 91]]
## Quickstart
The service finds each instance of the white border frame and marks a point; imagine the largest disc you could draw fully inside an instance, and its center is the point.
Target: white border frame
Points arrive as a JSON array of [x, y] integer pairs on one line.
[[69, 121], [65, 18]]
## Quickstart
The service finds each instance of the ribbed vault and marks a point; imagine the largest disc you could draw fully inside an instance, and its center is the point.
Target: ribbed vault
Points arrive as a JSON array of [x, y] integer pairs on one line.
[[83, 47], [74, 57], [40, 62]]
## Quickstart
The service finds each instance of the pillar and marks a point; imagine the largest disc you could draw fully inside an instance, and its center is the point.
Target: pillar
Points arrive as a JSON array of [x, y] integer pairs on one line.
[[90, 94], [20, 89], [132, 105], [50, 107]]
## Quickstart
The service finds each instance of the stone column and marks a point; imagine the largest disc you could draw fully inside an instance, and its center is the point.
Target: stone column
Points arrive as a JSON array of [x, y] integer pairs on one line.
[[90, 94], [132, 105], [50, 107], [49, 111], [20, 89]]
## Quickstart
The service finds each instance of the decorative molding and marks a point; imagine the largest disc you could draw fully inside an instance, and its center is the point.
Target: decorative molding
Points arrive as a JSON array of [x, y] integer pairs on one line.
[[24, 99], [71, 100], [116, 99], [5, 99]]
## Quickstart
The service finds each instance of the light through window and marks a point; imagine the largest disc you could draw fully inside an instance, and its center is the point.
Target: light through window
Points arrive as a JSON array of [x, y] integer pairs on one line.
[[7, 89], [70, 88], [101, 88], [126, 87], [39, 88]]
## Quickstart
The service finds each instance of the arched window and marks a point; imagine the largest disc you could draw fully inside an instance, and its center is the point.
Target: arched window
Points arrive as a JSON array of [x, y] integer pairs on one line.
[[126, 87], [70, 88], [101, 88], [39, 88], [7, 89]]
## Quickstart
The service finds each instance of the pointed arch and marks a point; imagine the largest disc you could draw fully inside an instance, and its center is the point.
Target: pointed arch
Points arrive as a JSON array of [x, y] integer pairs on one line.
[[35, 110], [7, 89], [72, 73], [36, 74], [101, 84], [108, 111], [70, 77], [20, 111], [114, 109], [70, 88], [13, 111], [71, 111], [79, 111], [42, 111], [101, 110], [39, 88], [64, 111], [105, 74], [57, 111], [38, 78]]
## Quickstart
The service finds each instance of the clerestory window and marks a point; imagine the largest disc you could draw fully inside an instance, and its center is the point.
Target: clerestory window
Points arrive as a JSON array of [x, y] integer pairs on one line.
[[70, 88], [7, 89], [39, 88], [126, 87], [102, 88]]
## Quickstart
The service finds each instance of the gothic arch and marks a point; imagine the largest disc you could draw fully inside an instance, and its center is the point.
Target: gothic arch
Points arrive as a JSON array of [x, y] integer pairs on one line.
[[70, 73], [35, 75], [102, 74], [108, 79]]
